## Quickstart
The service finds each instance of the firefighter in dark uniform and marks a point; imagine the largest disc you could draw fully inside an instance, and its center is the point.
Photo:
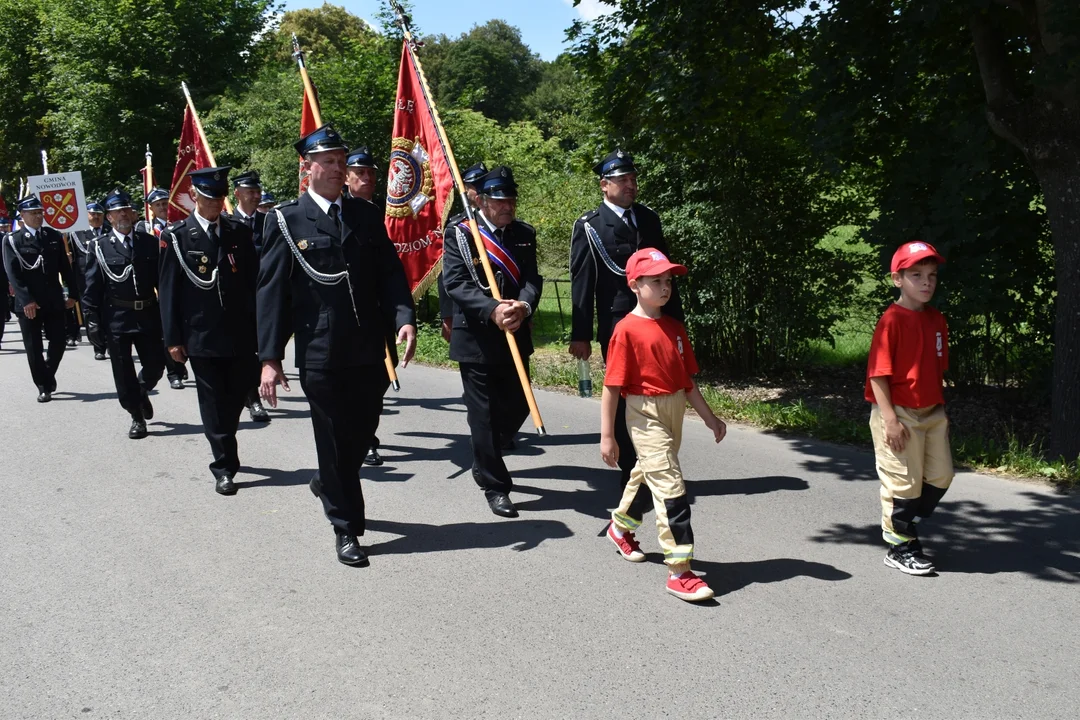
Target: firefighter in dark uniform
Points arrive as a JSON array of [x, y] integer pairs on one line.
[[121, 308], [34, 259], [207, 296], [471, 179], [158, 202], [603, 240], [330, 274], [493, 394], [247, 189], [267, 201], [5, 308], [81, 243], [360, 169]]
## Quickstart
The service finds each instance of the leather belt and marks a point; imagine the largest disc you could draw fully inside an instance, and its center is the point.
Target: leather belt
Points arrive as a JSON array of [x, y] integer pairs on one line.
[[134, 304]]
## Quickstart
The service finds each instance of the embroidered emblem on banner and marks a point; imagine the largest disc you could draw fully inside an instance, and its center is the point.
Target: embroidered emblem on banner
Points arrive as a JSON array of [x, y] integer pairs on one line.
[[410, 181]]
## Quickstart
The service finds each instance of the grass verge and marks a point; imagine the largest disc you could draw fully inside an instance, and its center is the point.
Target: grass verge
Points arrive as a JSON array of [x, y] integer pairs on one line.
[[552, 368]]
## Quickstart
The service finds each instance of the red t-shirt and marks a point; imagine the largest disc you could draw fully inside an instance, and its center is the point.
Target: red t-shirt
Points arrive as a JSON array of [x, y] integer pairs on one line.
[[650, 357], [911, 348]]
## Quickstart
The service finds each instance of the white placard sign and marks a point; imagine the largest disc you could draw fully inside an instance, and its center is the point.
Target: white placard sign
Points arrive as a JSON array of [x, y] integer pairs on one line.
[[61, 195]]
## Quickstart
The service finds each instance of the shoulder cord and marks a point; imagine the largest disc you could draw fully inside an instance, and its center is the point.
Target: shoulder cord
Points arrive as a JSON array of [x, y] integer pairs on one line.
[[39, 263], [75, 239], [129, 271], [597, 246], [195, 279], [463, 245], [321, 278]]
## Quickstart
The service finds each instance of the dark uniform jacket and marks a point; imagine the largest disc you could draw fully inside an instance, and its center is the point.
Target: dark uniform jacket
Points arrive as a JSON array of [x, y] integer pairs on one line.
[[148, 227], [81, 245], [328, 333], [101, 290], [592, 281], [209, 322], [40, 285], [255, 225], [474, 337]]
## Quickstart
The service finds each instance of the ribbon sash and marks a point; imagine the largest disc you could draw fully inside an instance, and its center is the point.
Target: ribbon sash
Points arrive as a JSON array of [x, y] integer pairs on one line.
[[497, 253]]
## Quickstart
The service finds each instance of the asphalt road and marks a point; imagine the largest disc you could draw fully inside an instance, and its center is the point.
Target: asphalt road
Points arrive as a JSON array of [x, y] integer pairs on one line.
[[128, 588]]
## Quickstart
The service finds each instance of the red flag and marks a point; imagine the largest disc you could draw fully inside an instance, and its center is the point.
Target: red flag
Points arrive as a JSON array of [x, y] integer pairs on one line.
[[147, 186], [307, 125], [190, 155], [419, 186], [3, 207]]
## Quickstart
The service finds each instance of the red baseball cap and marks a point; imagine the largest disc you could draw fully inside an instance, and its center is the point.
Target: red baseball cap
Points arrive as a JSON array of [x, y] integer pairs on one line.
[[913, 253], [651, 261]]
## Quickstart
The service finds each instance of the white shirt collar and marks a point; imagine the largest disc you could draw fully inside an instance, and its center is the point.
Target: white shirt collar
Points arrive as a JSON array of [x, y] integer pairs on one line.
[[621, 212], [243, 215], [119, 235], [490, 225], [322, 202], [32, 231], [203, 222]]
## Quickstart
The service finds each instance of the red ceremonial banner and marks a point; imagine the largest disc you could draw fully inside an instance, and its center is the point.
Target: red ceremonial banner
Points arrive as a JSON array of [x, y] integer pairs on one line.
[[307, 125], [147, 186], [419, 185], [190, 155]]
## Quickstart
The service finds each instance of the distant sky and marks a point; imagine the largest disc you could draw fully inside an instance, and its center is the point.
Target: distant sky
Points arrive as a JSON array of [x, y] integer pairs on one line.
[[543, 23]]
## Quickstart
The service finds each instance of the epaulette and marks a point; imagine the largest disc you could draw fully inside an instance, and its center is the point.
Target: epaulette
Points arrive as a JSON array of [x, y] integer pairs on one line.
[[589, 215], [645, 207], [528, 226], [175, 226], [290, 203]]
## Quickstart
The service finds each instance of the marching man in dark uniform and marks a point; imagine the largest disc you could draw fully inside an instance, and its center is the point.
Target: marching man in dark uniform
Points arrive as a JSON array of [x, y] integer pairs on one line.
[[158, 201], [267, 201], [121, 308], [471, 179], [330, 274], [247, 189], [494, 397], [207, 294], [81, 244], [5, 308], [603, 240], [34, 259]]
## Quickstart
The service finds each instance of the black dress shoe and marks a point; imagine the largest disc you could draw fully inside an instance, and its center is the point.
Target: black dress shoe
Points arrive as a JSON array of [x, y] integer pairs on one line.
[[99, 356], [44, 397], [258, 412], [315, 487], [138, 428], [508, 444], [225, 485], [500, 505], [349, 552], [146, 407], [372, 458], [176, 384]]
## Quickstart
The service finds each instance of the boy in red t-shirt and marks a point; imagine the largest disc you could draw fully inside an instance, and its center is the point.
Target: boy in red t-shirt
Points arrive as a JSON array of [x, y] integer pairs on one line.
[[650, 363], [908, 357]]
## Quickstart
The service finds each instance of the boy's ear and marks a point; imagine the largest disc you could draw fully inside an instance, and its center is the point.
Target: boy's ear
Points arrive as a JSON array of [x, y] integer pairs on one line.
[[632, 284], [897, 277]]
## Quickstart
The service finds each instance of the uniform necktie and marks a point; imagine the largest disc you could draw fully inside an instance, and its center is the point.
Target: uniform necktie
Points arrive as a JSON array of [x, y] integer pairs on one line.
[[127, 243], [334, 211], [628, 217], [211, 230], [499, 234]]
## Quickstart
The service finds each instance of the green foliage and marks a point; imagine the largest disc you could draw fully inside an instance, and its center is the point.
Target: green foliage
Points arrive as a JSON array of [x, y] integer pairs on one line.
[[488, 69], [322, 32], [22, 72]]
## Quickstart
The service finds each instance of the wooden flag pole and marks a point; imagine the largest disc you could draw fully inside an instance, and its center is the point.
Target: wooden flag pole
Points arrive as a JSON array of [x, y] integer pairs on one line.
[[202, 136], [148, 184], [526, 385], [316, 113], [67, 245]]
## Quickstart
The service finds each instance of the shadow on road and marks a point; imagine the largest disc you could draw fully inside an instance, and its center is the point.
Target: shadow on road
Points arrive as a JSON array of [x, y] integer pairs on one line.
[[448, 404], [968, 536], [274, 477], [419, 538], [726, 578], [603, 493], [63, 395], [846, 463]]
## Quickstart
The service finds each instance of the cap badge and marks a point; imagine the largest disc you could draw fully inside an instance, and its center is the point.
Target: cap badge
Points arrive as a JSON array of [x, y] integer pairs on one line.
[[657, 256], [916, 247], [620, 154]]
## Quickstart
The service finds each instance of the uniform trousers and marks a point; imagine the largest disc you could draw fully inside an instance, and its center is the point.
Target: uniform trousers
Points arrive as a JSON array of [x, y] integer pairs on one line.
[[496, 408], [129, 386], [656, 424], [74, 330], [222, 384], [43, 370], [627, 457], [345, 408], [915, 479]]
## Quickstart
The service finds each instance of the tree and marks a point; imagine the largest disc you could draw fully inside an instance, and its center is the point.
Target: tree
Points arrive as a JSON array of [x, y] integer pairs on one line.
[[489, 69], [888, 67], [323, 32], [25, 104]]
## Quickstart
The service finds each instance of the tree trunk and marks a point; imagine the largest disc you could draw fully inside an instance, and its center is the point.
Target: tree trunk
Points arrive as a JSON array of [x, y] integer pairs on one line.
[[1060, 183]]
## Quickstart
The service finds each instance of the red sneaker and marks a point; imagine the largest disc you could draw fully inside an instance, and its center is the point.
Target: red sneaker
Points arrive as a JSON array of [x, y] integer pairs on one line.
[[628, 546], [689, 587]]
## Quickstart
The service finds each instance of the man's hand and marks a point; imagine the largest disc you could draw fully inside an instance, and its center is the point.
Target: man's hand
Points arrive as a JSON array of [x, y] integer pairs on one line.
[[508, 315], [609, 450], [718, 427], [178, 353], [896, 435], [30, 310], [407, 335], [69, 303], [447, 328], [581, 349], [272, 376]]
